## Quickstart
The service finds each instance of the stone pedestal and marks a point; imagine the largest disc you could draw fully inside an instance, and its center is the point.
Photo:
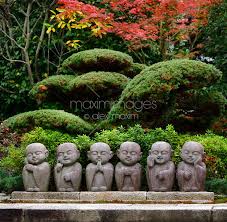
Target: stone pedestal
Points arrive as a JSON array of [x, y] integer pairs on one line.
[[113, 197]]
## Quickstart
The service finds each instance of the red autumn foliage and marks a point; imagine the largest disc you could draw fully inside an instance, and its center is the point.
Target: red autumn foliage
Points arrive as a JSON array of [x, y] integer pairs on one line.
[[139, 20]]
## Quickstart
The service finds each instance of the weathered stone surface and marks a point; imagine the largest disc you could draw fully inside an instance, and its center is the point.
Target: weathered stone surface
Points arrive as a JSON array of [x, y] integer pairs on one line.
[[99, 173], [109, 212], [160, 168], [35, 196], [68, 172], [113, 196], [128, 172], [4, 197], [191, 172], [181, 197], [36, 171], [220, 213]]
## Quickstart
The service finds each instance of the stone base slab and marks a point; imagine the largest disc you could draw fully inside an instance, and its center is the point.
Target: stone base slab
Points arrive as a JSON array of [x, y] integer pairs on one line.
[[113, 212], [113, 197]]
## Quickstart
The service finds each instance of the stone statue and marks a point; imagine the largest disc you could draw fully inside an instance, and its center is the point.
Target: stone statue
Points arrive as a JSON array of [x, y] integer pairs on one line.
[[99, 173], [67, 171], [191, 172], [128, 172], [36, 172], [160, 168]]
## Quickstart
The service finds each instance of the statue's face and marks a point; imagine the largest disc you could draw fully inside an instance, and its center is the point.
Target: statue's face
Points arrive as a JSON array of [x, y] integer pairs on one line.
[[191, 153], [36, 154], [67, 154], [99, 152], [161, 153], [129, 153]]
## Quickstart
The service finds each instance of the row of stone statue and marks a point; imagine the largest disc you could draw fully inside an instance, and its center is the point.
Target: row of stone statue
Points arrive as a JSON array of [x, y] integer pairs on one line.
[[191, 172]]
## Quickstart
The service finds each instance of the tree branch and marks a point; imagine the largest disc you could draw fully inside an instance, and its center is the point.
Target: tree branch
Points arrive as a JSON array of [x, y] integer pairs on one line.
[[10, 38], [6, 90], [12, 60]]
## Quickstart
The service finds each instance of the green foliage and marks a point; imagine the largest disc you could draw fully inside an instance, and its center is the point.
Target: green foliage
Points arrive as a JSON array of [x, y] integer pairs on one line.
[[215, 36], [98, 60], [215, 146], [14, 87], [14, 159], [171, 88], [134, 69], [10, 182], [49, 119], [98, 81], [219, 186], [54, 88], [94, 92], [220, 125]]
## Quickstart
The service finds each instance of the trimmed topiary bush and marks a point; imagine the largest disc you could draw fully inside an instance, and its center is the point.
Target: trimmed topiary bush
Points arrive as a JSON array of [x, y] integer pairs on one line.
[[49, 119], [155, 95], [134, 69], [95, 92], [98, 60], [54, 88], [96, 81]]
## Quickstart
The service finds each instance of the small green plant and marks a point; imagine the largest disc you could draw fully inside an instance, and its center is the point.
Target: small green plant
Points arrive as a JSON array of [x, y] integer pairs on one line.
[[219, 186]]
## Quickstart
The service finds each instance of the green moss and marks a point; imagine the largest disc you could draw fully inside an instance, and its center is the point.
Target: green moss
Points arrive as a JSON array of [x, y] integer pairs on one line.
[[49, 119], [163, 85], [98, 60], [54, 86]]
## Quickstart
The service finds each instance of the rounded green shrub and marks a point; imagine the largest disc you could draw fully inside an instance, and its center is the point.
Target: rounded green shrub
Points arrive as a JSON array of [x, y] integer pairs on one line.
[[155, 95], [98, 60], [54, 88], [96, 81], [95, 92], [134, 69], [49, 119]]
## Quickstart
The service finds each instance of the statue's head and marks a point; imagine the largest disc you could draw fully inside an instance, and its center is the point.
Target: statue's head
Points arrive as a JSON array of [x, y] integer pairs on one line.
[[67, 154], [192, 151], [36, 153], [129, 153], [161, 152], [100, 152]]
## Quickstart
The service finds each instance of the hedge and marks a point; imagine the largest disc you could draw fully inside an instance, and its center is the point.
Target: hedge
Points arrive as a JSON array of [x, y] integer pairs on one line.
[[215, 147], [48, 119]]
